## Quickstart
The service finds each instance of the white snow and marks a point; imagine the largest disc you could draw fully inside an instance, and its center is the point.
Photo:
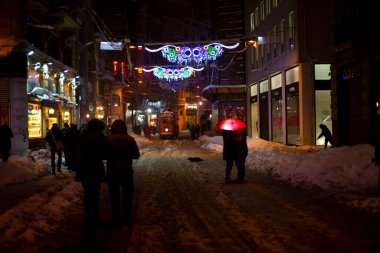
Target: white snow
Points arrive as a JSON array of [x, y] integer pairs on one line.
[[344, 170]]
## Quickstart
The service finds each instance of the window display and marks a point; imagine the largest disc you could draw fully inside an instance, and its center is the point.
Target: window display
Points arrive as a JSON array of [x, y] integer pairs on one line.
[[34, 120]]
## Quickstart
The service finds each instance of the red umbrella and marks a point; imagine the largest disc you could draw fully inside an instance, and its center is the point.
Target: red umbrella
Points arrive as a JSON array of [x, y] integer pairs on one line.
[[231, 124]]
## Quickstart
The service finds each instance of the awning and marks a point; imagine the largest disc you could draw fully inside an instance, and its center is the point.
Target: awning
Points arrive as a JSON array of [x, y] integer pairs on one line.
[[224, 89]]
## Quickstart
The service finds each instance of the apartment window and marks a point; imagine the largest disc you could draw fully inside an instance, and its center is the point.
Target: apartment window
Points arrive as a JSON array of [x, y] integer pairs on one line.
[[274, 3], [268, 6], [252, 21], [291, 30], [268, 43], [262, 10], [282, 35], [253, 57], [257, 56], [275, 40], [257, 20]]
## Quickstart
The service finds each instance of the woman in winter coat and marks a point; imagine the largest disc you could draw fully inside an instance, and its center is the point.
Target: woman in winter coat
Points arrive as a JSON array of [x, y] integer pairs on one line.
[[53, 136], [91, 171], [122, 148]]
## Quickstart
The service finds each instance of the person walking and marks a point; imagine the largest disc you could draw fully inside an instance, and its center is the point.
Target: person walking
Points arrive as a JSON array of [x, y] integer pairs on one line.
[[91, 172], [122, 148], [326, 133], [5, 141], [71, 142], [235, 150], [54, 138], [147, 131], [65, 130]]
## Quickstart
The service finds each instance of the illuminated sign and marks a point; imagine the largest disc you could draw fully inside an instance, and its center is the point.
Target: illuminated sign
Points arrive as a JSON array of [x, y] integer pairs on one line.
[[111, 46]]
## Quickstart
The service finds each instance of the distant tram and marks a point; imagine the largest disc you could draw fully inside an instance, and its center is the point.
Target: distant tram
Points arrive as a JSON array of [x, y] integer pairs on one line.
[[168, 124]]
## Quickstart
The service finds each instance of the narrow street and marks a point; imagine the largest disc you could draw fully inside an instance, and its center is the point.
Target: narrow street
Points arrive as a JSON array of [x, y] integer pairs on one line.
[[183, 206]]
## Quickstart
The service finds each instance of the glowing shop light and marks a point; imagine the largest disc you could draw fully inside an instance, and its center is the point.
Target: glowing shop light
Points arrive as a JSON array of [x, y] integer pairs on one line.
[[173, 74], [198, 54]]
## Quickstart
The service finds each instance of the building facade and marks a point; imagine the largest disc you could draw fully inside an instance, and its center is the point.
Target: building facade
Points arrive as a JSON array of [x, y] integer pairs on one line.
[[356, 68], [288, 70]]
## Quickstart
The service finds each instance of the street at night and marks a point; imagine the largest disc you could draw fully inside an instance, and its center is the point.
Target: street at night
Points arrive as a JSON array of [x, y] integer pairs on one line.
[[183, 206], [189, 126]]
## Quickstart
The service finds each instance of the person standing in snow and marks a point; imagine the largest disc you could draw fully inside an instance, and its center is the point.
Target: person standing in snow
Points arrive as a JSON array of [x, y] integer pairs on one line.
[[91, 172], [326, 133], [122, 148], [5, 141], [235, 149], [53, 137]]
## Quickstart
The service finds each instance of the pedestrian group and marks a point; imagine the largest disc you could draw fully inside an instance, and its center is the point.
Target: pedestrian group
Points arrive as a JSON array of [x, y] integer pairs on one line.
[[84, 153]]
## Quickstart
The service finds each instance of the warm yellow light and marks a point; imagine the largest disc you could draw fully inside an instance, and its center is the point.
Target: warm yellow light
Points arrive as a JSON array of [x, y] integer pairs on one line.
[[51, 111]]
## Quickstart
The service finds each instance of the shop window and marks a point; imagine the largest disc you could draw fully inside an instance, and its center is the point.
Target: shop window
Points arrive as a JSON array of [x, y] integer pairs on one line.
[[34, 121], [276, 102], [263, 104], [292, 106], [322, 112]]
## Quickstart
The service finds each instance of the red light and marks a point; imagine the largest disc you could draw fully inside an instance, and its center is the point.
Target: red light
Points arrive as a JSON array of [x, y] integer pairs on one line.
[[139, 48]]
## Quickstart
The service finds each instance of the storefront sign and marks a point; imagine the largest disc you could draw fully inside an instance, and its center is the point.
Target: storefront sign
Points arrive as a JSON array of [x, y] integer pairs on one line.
[[51, 103]]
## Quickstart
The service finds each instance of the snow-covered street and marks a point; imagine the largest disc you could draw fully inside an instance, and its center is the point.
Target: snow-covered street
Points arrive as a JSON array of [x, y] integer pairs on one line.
[[295, 199]]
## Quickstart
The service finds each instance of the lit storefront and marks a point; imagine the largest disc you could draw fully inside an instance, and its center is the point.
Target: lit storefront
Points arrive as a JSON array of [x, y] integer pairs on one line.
[[51, 94]]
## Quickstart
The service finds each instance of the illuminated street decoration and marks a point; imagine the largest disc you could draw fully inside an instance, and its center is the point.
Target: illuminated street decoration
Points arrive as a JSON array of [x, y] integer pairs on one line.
[[172, 74], [198, 54]]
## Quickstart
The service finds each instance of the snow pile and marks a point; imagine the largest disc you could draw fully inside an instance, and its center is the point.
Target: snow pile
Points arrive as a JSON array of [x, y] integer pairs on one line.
[[345, 169]]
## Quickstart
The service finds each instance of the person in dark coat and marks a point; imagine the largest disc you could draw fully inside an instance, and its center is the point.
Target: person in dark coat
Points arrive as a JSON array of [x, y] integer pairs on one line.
[[53, 136], [5, 141], [326, 133], [235, 149], [197, 131], [65, 130], [71, 142], [193, 132], [122, 148], [91, 172]]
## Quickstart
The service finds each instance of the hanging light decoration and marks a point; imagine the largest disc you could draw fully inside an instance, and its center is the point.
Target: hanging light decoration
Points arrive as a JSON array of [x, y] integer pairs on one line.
[[172, 74], [198, 54]]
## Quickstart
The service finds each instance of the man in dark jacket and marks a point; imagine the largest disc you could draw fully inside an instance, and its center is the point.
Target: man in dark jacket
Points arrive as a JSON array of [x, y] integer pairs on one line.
[[5, 141], [91, 172], [326, 133], [71, 143], [122, 148]]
